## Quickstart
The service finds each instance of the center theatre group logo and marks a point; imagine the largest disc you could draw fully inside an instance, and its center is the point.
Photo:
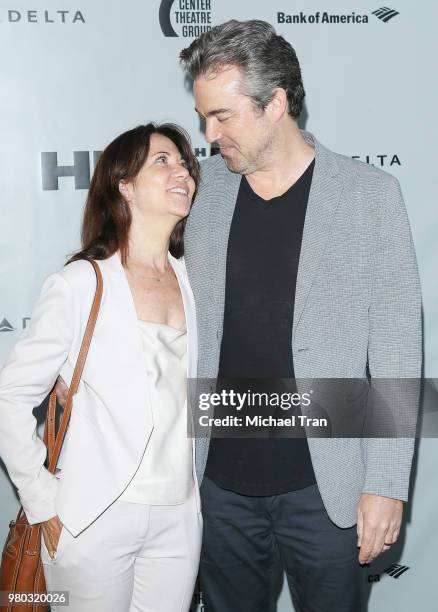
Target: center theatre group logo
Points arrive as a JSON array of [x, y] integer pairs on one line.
[[191, 17], [384, 14]]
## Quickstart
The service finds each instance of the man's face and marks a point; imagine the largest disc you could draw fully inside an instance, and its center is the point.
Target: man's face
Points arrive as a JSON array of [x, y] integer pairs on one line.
[[242, 132]]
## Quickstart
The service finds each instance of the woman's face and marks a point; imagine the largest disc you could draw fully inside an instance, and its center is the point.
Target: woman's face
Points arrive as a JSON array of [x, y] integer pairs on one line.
[[163, 186]]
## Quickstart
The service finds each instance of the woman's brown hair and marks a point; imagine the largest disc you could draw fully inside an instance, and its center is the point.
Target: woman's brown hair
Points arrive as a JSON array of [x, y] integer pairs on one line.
[[107, 218]]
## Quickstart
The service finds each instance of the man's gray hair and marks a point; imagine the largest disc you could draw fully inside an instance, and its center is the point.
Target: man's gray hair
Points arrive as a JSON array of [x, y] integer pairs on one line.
[[266, 59]]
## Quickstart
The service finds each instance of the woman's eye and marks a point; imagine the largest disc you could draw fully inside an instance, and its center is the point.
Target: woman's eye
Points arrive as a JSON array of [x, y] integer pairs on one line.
[[162, 158]]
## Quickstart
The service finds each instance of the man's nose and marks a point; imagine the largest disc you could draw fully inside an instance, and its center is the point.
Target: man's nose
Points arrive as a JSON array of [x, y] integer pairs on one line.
[[212, 131]]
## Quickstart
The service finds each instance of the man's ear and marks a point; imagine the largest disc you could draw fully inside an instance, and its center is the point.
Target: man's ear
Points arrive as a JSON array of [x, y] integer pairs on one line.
[[278, 105]]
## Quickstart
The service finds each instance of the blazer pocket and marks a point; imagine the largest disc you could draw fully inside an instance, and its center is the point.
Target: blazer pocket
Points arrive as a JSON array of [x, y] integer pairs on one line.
[[46, 559]]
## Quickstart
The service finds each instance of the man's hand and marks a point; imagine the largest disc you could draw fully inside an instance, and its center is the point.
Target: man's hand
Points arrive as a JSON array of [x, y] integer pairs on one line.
[[51, 532], [378, 525], [61, 391]]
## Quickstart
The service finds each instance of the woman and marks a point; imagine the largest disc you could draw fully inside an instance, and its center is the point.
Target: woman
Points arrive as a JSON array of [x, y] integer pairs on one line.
[[121, 520]]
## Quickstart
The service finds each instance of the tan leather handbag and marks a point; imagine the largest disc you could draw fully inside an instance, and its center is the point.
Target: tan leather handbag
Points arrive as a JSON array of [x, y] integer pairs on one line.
[[21, 572]]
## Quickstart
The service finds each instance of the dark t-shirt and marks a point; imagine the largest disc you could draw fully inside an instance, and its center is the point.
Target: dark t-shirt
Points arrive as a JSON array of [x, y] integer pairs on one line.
[[262, 264]]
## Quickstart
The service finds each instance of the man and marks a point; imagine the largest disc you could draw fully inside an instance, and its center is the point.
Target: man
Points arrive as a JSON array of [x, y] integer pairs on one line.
[[302, 264]]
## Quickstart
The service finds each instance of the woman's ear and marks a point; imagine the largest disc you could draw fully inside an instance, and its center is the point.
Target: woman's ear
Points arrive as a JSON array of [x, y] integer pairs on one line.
[[125, 189]]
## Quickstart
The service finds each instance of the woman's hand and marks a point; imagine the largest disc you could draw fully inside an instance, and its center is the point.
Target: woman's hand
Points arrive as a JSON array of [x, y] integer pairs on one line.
[[51, 532]]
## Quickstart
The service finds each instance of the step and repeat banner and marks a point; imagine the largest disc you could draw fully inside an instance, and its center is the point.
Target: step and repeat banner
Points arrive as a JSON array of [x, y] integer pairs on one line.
[[75, 74]]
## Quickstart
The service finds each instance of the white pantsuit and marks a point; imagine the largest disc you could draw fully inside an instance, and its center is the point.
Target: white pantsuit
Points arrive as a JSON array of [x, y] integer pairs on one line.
[[110, 427], [134, 557]]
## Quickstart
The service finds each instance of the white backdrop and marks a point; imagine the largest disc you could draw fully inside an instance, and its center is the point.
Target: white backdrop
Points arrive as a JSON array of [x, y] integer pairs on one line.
[[75, 75]]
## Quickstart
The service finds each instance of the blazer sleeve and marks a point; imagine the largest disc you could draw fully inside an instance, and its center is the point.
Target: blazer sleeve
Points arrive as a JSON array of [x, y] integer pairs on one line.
[[395, 348], [27, 377]]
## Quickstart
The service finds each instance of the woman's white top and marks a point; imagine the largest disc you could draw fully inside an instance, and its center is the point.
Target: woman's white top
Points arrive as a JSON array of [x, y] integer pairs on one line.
[[165, 475]]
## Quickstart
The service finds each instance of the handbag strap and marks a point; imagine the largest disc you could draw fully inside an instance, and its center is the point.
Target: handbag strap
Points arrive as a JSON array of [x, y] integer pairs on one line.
[[54, 444]]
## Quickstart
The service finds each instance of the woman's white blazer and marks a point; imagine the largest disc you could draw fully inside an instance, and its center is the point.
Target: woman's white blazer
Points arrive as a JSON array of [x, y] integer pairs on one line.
[[111, 420]]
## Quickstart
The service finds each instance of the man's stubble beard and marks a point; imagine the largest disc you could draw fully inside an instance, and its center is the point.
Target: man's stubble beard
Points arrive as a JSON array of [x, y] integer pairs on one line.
[[254, 160]]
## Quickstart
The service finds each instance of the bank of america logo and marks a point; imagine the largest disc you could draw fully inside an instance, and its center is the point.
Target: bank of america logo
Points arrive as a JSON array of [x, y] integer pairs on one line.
[[5, 326], [396, 570], [385, 13]]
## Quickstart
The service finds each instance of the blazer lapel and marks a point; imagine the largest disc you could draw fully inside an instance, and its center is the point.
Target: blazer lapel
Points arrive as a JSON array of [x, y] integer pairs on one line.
[[324, 196], [190, 315], [115, 366], [222, 207]]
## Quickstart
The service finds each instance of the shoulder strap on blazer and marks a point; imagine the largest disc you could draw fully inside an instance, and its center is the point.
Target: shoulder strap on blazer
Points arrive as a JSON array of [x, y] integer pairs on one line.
[[54, 445]]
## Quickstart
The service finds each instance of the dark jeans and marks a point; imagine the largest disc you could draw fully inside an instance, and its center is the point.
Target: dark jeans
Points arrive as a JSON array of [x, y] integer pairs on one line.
[[249, 541]]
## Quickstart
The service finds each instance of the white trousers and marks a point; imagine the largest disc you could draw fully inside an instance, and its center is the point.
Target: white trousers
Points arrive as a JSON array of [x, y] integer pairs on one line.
[[132, 558]]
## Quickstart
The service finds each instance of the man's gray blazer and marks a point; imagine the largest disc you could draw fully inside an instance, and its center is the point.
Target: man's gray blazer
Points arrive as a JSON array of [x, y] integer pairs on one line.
[[357, 302]]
